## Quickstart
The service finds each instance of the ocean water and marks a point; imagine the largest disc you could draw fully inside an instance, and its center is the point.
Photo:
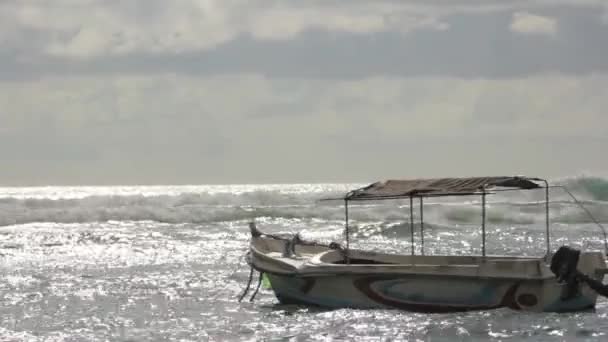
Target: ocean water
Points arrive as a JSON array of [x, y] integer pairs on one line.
[[166, 263]]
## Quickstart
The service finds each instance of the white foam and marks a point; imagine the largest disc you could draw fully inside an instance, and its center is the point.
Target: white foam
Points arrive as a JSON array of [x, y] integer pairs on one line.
[[220, 203]]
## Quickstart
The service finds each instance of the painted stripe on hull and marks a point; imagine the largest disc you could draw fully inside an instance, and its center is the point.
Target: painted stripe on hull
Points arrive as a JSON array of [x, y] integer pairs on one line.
[[365, 286]]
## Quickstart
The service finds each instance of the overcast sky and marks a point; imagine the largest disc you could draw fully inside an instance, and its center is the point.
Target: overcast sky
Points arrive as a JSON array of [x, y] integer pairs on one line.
[[226, 91]]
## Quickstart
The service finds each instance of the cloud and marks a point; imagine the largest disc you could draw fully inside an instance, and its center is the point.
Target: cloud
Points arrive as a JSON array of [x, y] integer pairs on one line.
[[527, 23], [325, 39], [286, 23], [155, 91], [90, 28], [79, 105], [171, 128], [93, 28]]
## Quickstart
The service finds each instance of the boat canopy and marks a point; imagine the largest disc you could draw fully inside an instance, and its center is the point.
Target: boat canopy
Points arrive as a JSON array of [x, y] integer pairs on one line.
[[393, 189]]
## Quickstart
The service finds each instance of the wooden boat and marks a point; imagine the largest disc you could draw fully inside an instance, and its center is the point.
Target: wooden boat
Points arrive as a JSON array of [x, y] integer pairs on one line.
[[337, 276]]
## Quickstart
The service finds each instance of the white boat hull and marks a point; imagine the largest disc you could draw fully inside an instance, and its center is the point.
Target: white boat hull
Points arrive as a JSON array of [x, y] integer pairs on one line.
[[318, 276], [426, 294]]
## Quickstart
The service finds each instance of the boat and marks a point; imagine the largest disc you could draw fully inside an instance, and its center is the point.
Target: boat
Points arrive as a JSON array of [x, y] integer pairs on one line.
[[336, 276]]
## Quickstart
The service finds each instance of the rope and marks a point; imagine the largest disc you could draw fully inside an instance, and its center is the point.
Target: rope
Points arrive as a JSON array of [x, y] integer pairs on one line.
[[248, 285], [257, 287], [597, 223]]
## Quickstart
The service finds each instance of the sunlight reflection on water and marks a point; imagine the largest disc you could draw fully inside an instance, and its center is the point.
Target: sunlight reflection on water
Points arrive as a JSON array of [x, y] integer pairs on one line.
[[151, 280]]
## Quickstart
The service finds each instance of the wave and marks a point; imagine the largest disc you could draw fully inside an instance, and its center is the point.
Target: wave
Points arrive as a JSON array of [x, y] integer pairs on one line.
[[593, 188], [219, 204], [395, 230], [180, 209]]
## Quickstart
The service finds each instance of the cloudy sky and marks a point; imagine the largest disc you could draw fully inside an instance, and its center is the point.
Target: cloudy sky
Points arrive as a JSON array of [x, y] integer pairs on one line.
[[230, 91]]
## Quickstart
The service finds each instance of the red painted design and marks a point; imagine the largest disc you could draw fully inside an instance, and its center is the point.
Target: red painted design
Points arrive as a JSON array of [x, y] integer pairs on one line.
[[364, 285]]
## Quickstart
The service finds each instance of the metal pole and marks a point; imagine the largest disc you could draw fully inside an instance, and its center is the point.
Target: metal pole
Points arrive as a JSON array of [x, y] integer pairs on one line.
[[547, 217], [346, 232], [422, 225], [412, 222], [483, 223]]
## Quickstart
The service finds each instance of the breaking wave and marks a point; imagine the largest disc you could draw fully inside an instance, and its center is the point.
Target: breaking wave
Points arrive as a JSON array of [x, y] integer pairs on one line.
[[234, 203], [592, 188]]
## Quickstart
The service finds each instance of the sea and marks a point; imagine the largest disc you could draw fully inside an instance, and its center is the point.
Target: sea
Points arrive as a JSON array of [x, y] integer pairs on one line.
[[167, 263]]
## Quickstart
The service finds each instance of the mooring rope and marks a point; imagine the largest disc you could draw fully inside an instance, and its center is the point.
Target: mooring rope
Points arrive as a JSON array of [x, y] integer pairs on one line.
[[257, 287], [596, 221], [248, 285]]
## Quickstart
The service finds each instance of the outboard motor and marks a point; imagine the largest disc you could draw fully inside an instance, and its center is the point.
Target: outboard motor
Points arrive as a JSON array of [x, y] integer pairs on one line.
[[563, 265]]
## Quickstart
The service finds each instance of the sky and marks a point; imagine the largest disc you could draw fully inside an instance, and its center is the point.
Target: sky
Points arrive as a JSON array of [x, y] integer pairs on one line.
[[102, 92]]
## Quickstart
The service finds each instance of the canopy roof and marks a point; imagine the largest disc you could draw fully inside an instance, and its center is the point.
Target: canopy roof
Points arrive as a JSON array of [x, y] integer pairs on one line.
[[439, 187]]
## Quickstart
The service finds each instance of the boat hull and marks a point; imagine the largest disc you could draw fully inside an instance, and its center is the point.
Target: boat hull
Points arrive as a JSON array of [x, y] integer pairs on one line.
[[318, 275], [422, 293]]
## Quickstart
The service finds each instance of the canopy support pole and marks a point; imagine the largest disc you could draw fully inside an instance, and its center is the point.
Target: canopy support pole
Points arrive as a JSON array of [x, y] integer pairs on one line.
[[412, 223], [422, 225], [483, 222], [346, 233], [547, 218]]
